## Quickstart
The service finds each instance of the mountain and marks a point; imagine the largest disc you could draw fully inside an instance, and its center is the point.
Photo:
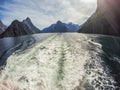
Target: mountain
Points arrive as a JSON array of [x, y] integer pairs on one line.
[[31, 26], [62, 27], [2, 27], [105, 20], [18, 28], [73, 27], [58, 27]]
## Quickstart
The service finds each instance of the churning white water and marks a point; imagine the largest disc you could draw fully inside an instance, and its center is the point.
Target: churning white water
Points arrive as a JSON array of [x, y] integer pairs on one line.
[[60, 62]]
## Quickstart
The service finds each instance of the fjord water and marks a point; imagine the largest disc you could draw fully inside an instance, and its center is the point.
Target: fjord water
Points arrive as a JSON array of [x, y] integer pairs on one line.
[[61, 61]]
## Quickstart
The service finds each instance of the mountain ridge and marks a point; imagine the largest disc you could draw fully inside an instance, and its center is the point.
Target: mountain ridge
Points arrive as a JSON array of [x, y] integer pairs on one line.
[[73, 27], [2, 27], [105, 20], [63, 27], [18, 28]]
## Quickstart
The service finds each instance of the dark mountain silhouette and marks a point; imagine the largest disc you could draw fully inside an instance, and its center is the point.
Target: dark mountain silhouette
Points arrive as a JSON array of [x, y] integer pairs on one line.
[[61, 27], [106, 19], [2, 27], [33, 28], [18, 28], [54, 28], [73, 27]]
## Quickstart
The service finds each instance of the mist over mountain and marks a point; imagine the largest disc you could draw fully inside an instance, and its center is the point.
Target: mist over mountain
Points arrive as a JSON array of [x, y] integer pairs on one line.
[[105, 20], [18, 28]]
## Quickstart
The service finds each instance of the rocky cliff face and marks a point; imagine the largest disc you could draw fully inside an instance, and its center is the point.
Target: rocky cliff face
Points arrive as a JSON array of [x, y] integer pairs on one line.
[[18, 28], [32, 28], [2, 27], [105, 20]]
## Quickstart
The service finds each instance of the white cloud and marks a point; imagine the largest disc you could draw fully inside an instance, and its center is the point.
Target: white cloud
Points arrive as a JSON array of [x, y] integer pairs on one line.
[[45, 12]]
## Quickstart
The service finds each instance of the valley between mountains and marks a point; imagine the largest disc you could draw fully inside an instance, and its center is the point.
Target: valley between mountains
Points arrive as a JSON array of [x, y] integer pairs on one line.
[[62, 61]]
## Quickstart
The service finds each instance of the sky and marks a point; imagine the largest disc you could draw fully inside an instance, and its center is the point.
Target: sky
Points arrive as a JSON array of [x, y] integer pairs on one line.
[[46, 12]]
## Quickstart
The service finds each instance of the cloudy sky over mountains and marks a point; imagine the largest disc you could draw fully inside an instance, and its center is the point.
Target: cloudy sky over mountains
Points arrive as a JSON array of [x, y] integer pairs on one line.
[[46, 12]]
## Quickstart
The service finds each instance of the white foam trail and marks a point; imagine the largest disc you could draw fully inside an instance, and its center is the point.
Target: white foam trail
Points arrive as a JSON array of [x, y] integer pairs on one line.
[[62, 62]]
